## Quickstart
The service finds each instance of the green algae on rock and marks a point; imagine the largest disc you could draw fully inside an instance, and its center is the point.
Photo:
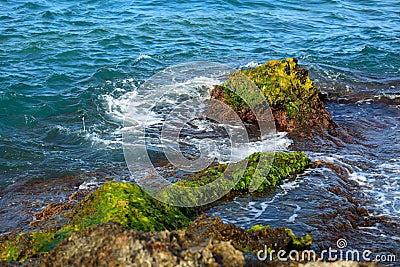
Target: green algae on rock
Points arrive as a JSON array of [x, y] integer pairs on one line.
[[128, 205], [292, 96], [28, 245], [240, 177], [122, 203], [285, 165]]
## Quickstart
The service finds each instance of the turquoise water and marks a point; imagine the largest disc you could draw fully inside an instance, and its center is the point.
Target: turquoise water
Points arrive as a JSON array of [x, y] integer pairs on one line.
[[67, 67], [56, 59]]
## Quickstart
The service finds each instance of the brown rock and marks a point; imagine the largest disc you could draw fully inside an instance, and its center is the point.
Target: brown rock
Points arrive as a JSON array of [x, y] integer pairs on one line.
[[111, 245]]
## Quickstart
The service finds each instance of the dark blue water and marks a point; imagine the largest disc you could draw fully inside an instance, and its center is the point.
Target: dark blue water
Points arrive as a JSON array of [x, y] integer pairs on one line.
[[68, 67]]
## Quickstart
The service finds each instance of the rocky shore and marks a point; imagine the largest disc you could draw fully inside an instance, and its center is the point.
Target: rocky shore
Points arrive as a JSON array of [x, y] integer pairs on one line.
[[128, 207], [120, 225]]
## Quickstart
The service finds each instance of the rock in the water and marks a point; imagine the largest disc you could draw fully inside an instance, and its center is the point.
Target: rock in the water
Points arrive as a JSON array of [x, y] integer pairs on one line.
[[128, 205], [271, 168], [295, 102]]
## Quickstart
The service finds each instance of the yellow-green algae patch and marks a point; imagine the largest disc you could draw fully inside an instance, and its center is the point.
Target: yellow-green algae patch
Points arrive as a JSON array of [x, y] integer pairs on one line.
[[299, 242], [292, 96], [28, 245], [284, 84], [128, 205], [257, 167]]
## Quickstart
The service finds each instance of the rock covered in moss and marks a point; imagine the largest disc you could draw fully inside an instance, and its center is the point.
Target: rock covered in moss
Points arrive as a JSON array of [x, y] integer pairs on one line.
[[295, 102], [285, 165], [27, 245], [123, 203], [260, 172], [128, 205]]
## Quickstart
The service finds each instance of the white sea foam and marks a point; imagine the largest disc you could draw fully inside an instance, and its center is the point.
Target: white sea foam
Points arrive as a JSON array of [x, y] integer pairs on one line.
[[63, 129], [359, 178], [142, 56], [96, 139], [292, 218], [251, 64], [116, 107], [381, 182], [91, 184], [390, 167], [136, 108]]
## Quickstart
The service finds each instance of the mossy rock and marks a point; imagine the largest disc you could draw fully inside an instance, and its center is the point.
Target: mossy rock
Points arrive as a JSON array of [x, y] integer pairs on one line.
[[122, 203], [128, 205], [285, 165], [258, 227], [295, 101], [28, 245], [299, 242], [284, 84]]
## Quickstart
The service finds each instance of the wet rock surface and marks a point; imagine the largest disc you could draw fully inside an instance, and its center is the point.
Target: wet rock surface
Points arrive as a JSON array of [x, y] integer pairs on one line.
[[206, 242], [251, 240], [297, 105], [111, 245]]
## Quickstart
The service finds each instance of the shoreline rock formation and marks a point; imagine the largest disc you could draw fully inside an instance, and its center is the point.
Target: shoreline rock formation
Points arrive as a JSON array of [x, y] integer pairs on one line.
[[119, 224], [130, 207]]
